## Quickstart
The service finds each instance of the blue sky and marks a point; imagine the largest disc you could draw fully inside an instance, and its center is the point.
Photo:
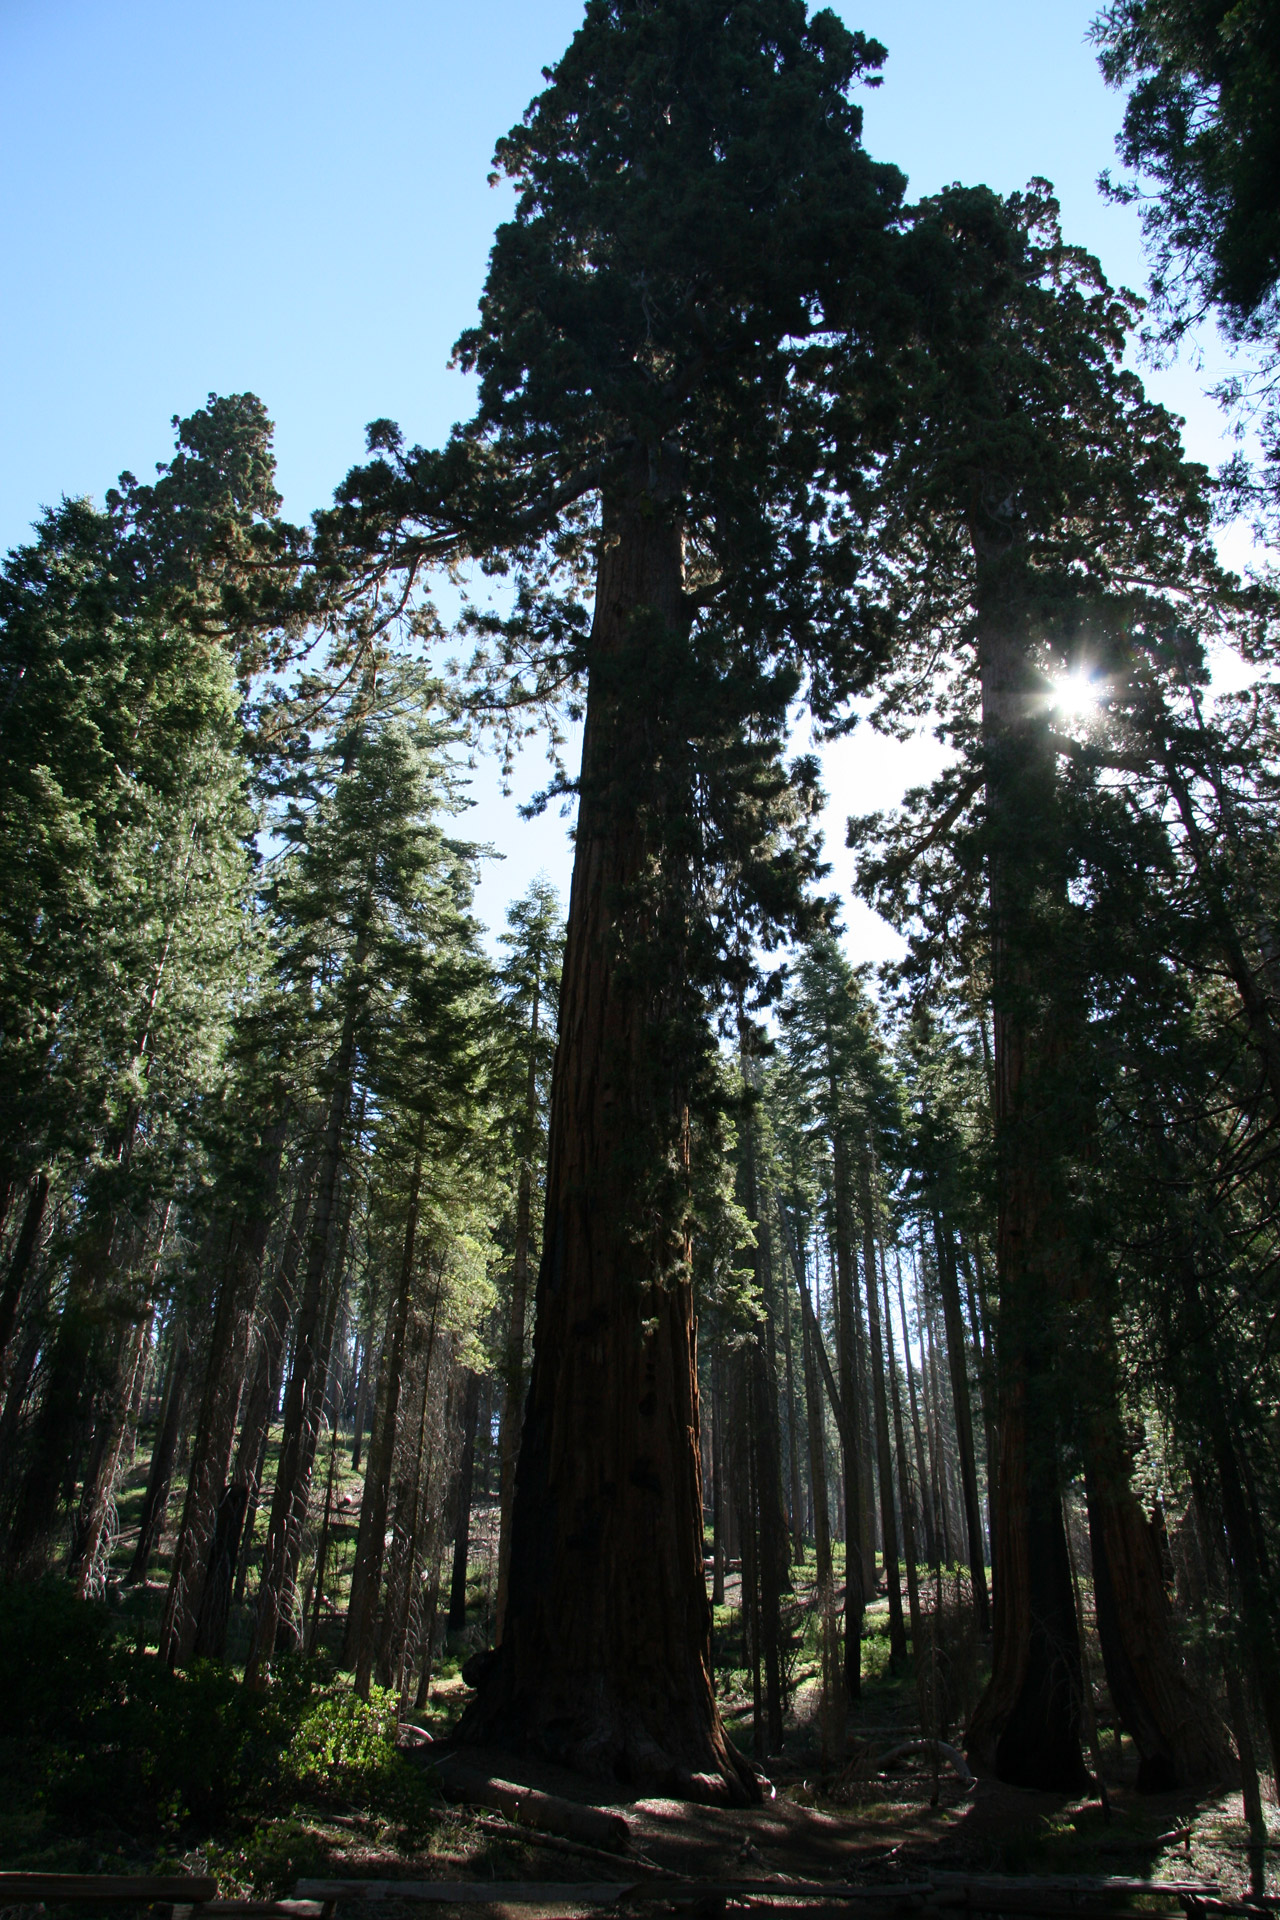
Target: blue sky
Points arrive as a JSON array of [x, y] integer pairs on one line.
[[291, 199]]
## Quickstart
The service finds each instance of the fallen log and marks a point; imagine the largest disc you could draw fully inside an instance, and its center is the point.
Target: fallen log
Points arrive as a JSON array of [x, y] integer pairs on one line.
[[945, 1880], [526, 1807], [952, 1756], [250, 1909], [475, 1893], [136, 1889]]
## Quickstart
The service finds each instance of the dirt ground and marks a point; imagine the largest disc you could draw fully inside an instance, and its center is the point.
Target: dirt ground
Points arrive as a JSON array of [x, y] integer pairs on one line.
[[879, 1835]]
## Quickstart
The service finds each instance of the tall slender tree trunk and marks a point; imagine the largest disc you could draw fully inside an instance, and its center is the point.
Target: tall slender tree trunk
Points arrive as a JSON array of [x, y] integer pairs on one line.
[[926, 1472], [948, 1504], [20, 1264], [513, 1371], [317, 1398], [360, 1411], [957, 1363], [909, 1549], [403, 1559], [457, 1618], [855, 1592], [219, 1407], [266, 1373], [772, 1569], [366, 1573], [310, 1360], [793, 1436], [91, 1542], [718, 1506], [748, 1534], [888, 1519], [817, 1447], [605, 1661], [70, 1366], [164, 1450], [984, 1365]]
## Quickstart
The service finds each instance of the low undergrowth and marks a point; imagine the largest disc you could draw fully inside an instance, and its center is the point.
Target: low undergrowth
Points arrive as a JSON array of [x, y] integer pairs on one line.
[[107, 1757]]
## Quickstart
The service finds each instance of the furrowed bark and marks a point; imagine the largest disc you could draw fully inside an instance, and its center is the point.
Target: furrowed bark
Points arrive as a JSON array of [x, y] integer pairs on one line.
[[1028, 1722], [605, 1658]]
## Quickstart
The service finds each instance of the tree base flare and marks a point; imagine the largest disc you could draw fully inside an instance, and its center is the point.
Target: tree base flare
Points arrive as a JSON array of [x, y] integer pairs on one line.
[[608, 1743]]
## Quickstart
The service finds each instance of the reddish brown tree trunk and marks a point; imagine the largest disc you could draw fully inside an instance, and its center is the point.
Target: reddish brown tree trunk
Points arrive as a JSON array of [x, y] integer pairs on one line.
[[767, 1510], [605, 1662], [1180, 1741], [1030, 1717], [1028, 1722]]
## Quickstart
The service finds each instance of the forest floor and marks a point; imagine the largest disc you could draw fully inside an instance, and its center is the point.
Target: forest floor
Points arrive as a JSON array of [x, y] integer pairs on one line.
[[172, 1773]]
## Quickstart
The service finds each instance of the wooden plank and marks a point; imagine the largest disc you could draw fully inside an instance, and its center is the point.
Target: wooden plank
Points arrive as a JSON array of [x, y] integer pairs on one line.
[[839, 1890], [1100, 1883], [19, 1889], [474, 1893], [263, 1909]]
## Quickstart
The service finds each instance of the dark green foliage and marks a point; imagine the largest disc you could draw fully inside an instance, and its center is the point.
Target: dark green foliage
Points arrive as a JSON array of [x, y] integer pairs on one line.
[[108, 1737], [1202, 134], [104, 1739]]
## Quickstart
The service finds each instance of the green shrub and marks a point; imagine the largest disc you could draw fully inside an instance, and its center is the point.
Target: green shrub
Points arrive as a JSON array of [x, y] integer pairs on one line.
[[100, 1737], [345, 1745], [100, 1734]]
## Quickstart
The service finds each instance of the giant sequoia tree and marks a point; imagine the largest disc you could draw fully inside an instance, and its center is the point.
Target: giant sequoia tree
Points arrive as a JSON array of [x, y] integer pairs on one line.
[[1040, 512], [697, 228]]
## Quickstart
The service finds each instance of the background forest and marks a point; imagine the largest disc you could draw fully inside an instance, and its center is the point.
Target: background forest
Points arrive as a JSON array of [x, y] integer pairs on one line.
[[345, 1255]]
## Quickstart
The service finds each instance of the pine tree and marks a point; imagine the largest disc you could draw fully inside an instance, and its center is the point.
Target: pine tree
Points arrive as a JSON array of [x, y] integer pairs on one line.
[[530, 989], [128, 637]]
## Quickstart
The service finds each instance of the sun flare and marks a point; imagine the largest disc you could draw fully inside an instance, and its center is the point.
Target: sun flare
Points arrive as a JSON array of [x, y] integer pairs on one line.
[[1075, 694]]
